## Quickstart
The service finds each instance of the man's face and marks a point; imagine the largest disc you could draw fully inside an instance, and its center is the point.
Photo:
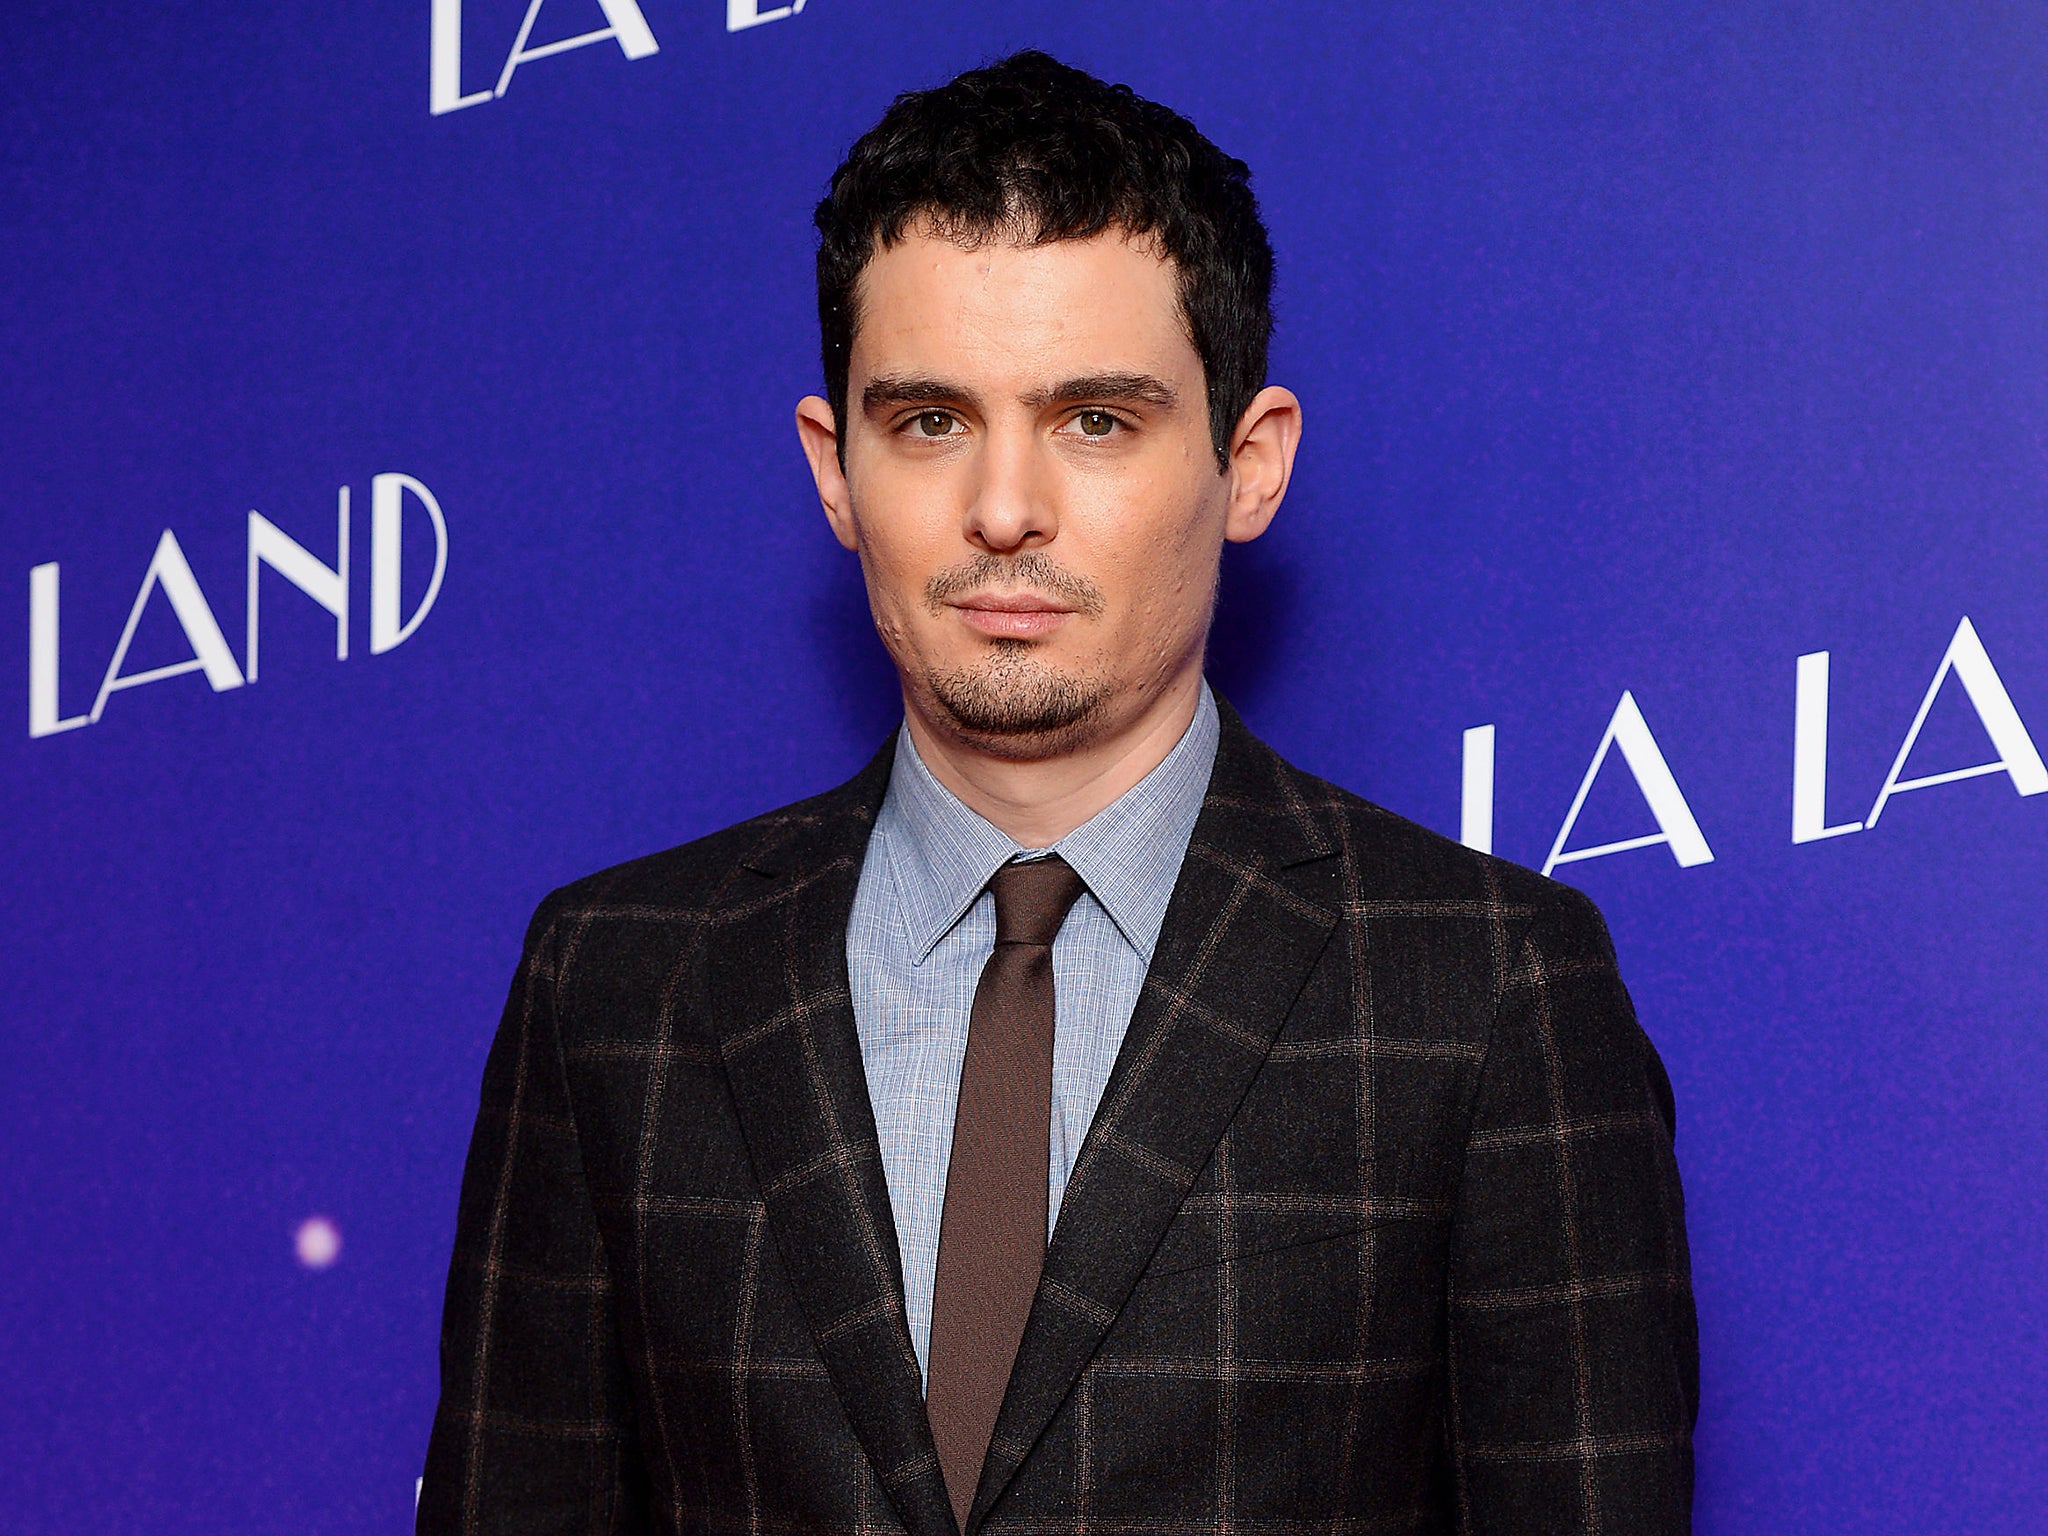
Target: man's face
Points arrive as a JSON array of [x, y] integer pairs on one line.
[[1031, 485]]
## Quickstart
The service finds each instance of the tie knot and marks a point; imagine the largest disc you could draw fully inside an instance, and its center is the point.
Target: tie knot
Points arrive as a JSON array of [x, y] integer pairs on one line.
[[1032, 899]]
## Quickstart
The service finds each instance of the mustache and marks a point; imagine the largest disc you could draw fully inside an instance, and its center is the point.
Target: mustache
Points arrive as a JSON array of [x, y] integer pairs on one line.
[[1010, 572]]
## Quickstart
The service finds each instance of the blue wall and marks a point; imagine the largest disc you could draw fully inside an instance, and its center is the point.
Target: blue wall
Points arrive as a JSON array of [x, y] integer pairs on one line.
[[1643, 351]]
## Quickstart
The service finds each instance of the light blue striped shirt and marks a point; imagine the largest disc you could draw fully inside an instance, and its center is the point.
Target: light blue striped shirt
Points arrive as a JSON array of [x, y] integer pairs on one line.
[[922, 928]]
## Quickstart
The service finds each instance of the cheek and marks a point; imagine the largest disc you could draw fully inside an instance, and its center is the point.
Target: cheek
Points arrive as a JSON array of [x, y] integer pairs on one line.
[[897, 561], [892, 603], [1166, 570], [889, 547], [1173, 590]]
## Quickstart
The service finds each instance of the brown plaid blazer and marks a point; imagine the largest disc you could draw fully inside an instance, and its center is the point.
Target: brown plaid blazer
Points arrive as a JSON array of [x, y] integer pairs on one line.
[[1377, 1228]]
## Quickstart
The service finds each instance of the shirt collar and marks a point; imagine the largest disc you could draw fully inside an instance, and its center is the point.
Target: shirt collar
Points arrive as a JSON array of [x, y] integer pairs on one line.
[[1128, 854]]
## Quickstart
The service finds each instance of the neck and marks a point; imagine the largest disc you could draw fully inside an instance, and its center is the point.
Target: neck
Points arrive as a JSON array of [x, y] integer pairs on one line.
[[1038, 801]]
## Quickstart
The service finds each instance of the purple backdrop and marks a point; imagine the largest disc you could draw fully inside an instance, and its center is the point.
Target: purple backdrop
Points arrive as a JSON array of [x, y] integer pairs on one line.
[[1644, 352]]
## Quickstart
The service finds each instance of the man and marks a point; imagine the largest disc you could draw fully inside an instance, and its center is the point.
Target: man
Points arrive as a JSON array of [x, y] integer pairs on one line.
[[1081, 1120]]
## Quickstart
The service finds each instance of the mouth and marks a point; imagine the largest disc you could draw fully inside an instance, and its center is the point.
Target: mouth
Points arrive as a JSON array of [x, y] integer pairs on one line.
[[1012, 615]]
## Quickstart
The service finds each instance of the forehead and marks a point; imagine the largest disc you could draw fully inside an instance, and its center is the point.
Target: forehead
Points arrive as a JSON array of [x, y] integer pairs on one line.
[[1002, 310]]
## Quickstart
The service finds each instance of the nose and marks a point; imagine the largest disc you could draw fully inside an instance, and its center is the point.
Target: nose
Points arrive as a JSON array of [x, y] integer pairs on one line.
[[1012, 504]]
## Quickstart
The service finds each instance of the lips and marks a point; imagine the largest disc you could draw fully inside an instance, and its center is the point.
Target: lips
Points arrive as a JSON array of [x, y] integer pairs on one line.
[[1015, 602], [1012, 616]]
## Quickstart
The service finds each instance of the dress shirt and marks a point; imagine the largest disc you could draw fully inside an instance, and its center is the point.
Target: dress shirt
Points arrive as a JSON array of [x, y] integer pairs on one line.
[[923, 926]]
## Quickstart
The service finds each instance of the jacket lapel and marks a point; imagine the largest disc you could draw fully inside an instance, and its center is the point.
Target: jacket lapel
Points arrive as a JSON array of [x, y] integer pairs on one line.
[[777, 996], [1250, 914]]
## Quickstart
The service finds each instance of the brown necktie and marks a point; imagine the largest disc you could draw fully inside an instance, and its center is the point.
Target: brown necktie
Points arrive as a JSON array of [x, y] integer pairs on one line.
[[992, 1231]]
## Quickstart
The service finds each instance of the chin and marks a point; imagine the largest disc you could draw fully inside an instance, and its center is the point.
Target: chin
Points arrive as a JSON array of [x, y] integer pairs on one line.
[[1015, 705]]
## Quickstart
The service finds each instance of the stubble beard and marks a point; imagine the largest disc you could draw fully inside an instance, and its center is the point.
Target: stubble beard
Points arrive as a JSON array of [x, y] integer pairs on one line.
[[1012, 700], [1013, 704]]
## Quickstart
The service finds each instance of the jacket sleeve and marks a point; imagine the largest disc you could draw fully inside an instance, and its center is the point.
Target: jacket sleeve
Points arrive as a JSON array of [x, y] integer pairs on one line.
[[534, 1432], [1574, 1361]]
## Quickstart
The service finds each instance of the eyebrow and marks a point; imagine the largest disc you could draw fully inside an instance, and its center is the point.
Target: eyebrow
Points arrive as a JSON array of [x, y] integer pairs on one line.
[[889, 391], [1132, 388]]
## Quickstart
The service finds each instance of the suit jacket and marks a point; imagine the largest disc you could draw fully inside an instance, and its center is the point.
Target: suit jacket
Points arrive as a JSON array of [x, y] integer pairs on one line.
[[1377, 1228]]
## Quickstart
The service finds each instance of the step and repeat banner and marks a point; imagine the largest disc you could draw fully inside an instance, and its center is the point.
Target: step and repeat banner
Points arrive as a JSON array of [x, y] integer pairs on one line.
[[403, 516]]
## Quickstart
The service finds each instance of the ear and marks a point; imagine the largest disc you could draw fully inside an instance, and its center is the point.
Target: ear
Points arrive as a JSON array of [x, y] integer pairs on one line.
[[1261, 462], [818, 432]]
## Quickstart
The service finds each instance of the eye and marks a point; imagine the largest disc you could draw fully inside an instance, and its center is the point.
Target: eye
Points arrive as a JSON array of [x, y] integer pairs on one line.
[[933, 423], [1095, 423]]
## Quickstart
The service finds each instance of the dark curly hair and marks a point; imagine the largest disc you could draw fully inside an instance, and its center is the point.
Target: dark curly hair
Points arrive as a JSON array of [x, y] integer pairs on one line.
[[1033, 149]]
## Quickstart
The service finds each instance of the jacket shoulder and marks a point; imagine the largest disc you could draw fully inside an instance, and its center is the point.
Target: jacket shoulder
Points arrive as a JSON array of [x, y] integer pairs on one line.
[[1532, 929], [1402, 862], [691, 879]]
